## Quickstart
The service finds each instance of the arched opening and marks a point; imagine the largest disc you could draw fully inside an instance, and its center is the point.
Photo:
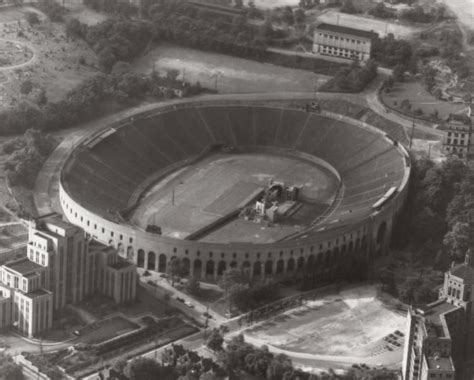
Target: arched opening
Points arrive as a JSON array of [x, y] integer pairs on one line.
[[280, 266], [162, 263], [246, 267], [221, 268], [186, 263], [141, 258], [151, 260], [197, 268], [310, 263], [327, 258], [300, 264], [269, 268], [130, 253], [210, 268], [257, 268], [291, 265], [120, 250]]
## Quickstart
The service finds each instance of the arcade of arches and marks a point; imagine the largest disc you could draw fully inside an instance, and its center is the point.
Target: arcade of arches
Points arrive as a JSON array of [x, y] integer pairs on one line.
[[212, 269]]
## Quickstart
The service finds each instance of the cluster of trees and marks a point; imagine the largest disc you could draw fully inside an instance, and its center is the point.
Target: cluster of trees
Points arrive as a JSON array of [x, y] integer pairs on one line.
[[85, 102], [238, 360], [120, 8], [52, 9], [243, 294], [9, 370], [417, 14], [349, 7], [352, 78], [391, 51], [382, 11], [26, 156], [113, 40], [183, 24], [439, 211]]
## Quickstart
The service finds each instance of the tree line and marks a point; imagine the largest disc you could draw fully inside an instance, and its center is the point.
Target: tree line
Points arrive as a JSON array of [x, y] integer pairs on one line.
[[439, 211], [237, 360], [121, 86]]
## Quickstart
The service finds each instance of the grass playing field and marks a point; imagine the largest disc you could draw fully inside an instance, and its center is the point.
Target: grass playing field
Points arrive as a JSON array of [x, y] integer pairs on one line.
[[210, 189]]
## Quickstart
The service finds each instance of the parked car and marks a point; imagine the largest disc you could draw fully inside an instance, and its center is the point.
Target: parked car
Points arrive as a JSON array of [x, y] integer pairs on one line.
[[178, 298], [189, 304]]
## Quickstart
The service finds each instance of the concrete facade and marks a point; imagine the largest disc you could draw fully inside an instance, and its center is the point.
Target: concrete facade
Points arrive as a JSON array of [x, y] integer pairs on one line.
[[62, 267], [342, 42]]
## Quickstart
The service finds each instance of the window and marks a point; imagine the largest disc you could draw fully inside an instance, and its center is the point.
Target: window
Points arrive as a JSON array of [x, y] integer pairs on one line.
[[121, 237], [130, 240]]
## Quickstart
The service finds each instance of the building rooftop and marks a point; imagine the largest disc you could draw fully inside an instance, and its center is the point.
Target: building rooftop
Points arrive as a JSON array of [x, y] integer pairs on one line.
[[347, 30], [23, 266], [37, 293], [463, 271], [432, 314], [440, 363]]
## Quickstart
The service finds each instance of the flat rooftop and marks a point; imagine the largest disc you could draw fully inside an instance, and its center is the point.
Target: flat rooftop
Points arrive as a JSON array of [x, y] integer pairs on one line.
[[433, 313], [346, 30], [24, 266], [440, 363], [37, 293]]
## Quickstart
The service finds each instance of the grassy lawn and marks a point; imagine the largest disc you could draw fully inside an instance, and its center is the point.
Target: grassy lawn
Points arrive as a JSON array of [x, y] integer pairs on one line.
[[234, 75], [101, 306], [106, 329], [418, 97]]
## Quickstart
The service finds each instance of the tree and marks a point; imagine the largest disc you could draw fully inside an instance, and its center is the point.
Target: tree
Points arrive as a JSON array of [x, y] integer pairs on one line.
[[32, 18], [193, 287], [215, 340], [459, 239], [26, 87], [348, 7], [74, 28], [148, 369]]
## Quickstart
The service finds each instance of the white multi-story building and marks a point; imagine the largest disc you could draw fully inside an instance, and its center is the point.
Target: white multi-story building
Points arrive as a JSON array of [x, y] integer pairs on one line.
[[440, 336], [62, 267], [343, 42], [458, 138]]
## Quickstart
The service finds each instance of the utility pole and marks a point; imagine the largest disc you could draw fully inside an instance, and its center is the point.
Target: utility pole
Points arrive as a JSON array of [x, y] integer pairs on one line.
[[412, 132]]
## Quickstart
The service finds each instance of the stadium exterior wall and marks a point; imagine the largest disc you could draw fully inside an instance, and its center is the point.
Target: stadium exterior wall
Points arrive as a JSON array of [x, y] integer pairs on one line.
[[324, 252]]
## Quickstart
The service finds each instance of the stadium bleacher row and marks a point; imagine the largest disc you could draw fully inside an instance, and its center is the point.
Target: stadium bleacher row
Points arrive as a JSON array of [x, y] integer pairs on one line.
[[103, 177]]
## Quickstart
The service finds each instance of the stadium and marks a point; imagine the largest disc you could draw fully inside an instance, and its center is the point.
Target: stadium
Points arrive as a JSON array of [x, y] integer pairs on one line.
[[269, 189]]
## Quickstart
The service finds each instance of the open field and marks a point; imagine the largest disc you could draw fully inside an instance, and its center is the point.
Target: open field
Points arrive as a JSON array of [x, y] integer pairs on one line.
[[353, 322], [366, 23], [419, 98], [234, 75], [234, 181]]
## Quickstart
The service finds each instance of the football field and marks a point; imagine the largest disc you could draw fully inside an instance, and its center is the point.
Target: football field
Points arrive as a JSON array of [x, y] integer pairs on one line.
[[203, 193]]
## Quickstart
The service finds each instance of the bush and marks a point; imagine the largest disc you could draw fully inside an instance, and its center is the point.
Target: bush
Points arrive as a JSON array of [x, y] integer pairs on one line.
[[32, 18]]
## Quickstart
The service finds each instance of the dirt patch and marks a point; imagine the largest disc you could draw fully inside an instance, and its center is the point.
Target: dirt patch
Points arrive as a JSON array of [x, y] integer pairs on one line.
[[353, 322]]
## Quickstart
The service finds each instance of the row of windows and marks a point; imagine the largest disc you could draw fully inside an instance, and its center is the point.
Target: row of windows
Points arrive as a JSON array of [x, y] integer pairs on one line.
[[337, 38]]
